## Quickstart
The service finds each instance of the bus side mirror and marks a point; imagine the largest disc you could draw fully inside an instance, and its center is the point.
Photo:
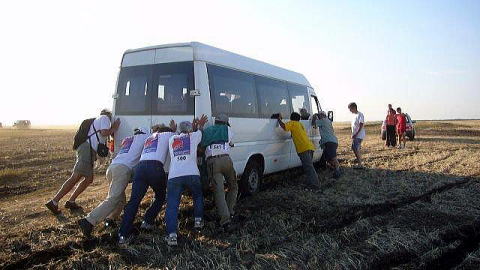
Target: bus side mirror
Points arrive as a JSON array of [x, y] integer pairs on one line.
[[414, 121], [330, 115]]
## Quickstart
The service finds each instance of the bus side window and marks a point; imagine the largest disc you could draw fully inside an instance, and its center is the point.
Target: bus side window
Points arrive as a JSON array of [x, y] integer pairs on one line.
[[299, 100]]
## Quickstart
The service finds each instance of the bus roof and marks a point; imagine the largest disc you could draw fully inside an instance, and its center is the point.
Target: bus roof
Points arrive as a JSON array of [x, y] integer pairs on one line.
[[196, 51]]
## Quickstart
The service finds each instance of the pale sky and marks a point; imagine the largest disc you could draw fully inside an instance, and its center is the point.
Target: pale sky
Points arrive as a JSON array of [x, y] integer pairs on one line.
[[60, 59]]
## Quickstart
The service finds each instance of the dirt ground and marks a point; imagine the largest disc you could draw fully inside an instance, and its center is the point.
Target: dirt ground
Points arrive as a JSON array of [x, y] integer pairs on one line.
[[413, 208]]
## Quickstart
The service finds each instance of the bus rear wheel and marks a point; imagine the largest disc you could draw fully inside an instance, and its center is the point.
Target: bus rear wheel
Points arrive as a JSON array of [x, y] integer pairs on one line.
[[251, 178]]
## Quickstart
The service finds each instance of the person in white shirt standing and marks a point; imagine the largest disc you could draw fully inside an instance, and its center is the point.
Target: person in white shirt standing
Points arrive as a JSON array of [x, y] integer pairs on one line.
[[99, 130], [183, 174], [217, 140], [358, 133], [148, 173], [119, 173]]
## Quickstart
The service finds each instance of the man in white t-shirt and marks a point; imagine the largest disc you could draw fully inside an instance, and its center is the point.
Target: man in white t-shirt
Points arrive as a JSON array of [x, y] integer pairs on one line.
[[148, 173], [86, 155], [217, 140], [184, 173], [358, 133], [119, 173]]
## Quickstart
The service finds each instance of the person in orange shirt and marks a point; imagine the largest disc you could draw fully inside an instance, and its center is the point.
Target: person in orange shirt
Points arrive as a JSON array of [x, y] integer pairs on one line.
[[391, 122], [304, 147], [401, 127]]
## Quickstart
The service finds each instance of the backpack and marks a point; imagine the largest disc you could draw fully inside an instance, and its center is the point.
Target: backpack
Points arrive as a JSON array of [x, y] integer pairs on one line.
[[82, 133]]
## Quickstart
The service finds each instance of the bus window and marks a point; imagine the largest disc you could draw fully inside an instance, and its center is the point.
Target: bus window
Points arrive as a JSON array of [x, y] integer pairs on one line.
[[132, 91], [300, 100], [315, 105], [272, 97], [172, 83], [232, 92]]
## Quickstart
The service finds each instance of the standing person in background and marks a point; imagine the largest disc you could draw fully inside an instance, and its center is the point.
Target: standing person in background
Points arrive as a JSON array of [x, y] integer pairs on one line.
[[390, 107], [304, 147], [100, 128], [148, 173], [358, 133], [183, 174], [217, 140], [119, 173], [401, 128], [391, 122], [328, 141]]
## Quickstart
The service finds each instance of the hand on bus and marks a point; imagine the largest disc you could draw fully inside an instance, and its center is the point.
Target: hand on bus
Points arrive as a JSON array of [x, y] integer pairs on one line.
[[203, 120], [116, 124]]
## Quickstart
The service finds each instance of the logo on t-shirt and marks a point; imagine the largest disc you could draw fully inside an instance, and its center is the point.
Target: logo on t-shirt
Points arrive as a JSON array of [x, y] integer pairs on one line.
[[181, 146], [151, 144], [126, 144]]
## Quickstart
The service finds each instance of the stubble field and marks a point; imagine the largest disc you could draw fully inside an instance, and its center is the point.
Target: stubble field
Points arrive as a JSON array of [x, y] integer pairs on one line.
[[413, 208]]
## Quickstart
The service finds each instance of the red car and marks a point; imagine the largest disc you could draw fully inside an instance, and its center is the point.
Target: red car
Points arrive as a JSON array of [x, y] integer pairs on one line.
[[410, 131]]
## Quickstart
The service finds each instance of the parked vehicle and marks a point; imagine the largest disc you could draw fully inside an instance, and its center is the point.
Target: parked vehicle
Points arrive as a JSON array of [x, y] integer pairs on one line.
[[22, 124], [180, 81], [410, 130]]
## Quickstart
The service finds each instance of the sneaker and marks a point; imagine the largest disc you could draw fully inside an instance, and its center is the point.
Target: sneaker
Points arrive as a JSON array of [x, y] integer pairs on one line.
[[72, 205], [125, 240], [171, 239], [86, 227], [198, 224], [52, 207], [146, 226], [110, 224]]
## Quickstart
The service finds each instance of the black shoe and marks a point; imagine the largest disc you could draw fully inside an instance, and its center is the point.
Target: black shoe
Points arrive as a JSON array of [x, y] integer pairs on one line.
[[230, 227], [110, 224], [337, 174], [52, 207], [86, 227], [72, 205]]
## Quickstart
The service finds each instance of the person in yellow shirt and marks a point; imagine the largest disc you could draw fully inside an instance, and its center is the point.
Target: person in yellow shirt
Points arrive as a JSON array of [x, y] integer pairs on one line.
[[304, 147]]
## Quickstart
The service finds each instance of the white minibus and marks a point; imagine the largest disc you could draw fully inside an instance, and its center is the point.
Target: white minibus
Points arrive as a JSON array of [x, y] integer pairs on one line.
[[185, 80]]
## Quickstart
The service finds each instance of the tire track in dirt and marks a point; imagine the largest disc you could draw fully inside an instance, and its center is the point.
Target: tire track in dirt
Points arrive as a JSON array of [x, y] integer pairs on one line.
[[342, 219], [451, 255], [316, 222], [469, 236]]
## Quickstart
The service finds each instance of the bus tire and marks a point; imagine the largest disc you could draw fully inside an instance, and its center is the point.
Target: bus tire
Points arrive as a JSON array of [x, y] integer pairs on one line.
[[251, 179]]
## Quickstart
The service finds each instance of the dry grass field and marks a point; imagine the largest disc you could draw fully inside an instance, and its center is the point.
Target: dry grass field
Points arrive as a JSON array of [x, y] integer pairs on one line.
[[413, 208]]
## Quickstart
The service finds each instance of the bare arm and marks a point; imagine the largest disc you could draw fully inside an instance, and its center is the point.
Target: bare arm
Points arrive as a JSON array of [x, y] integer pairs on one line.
[[359, 129], [281, 124], [111, 130]]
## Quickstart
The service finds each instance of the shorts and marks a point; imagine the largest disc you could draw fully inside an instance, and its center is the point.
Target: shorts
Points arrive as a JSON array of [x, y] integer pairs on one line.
[[401, 129], [330, 150], [356, 144], [85, 158]]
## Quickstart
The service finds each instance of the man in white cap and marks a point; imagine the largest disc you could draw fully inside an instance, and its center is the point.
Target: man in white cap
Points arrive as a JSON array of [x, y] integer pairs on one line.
[[148, 173], [183, 174], [217, 140], [119, 173]]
